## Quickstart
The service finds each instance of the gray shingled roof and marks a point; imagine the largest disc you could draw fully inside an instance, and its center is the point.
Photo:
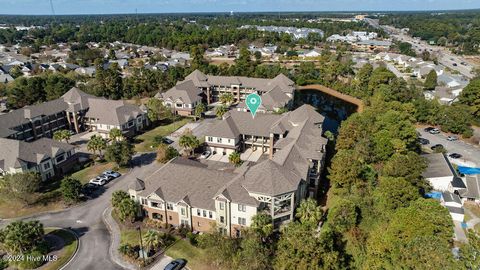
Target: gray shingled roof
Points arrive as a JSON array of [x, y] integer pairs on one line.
[[180, 178], [15, 152], [450, 197], [185, 91], [472, 187]]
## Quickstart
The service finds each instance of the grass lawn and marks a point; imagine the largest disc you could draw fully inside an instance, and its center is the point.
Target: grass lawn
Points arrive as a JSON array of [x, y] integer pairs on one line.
[[145, 140], [10, 208], [67, 251], [196, 257], [130, 236], [90, 172]]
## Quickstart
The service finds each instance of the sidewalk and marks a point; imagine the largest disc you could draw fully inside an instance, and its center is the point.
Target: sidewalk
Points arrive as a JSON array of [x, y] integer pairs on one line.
[[114, 230]]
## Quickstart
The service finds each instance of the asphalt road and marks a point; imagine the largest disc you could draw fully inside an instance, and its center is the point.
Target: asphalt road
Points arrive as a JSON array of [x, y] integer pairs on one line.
[[470, 153], [86, 219]]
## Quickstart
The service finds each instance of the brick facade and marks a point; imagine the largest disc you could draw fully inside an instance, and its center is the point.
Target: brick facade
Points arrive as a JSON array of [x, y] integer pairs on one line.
[[201, 224], [172, 218]]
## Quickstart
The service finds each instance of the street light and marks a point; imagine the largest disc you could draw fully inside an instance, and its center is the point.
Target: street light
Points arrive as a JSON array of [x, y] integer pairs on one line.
[[142, 251]]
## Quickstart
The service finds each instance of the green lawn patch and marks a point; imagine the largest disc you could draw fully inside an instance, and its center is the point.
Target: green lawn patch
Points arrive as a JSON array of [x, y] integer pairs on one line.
[[145, 140], [196, 257], [130, 236]]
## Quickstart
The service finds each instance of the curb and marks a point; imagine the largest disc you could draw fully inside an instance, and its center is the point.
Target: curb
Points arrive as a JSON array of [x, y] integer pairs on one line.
[[76, 250], [111, 248]]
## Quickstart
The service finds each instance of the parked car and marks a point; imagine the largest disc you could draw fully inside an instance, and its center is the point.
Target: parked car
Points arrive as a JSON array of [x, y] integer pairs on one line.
[[88, 188], [205, 154], [437, 147], [452, 138], [167, 141], [176, 264], [455, 64], [434, 131], [111, 174], [428, 129], [423, 141], [99, 181], [455, 155]]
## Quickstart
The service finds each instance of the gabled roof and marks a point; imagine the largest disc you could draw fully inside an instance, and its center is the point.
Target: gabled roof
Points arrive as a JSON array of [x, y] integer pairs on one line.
[[472, 189], [185, 91], [450, 197]]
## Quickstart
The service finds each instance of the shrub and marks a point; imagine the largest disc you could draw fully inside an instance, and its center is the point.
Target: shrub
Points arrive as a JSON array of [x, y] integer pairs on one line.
[[192, 238]]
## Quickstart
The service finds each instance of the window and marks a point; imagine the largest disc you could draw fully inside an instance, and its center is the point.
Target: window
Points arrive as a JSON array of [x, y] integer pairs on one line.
[[157, 216], [219, 140], [242, 208], [210, 214], [222, 219], [170, 218], [204, 213], [179, 105], [169, 206], [198, 212], [144, 201], [242, 221], [182, 210], [221, 206], [154, 204], [210, 139], [199, 224], [60, 158], [46, 166]]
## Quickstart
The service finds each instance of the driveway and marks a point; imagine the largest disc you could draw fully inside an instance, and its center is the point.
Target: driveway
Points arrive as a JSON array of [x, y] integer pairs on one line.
[[86, 219], [470, 153]]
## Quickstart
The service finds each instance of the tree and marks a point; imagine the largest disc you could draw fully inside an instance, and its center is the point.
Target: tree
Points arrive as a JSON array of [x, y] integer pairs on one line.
[[262, 224], [199, 110], [470, 96], [253, 254], [22, 186], [258, 55], [470, 252], [220, 111], [188, 142], [234, 158], [152, 239], [157, 111], [456, 118], [21, 237], [393, 193], [309, 212], [166, 153], [127, 210], [71, 189], [343, 215], [430, 80], [61, 135], [118, 196], [115, 134], [120, 152], [96, 143], [417, 237], [227, 99]]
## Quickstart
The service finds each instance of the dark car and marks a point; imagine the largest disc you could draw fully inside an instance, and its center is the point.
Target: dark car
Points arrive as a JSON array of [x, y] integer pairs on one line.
[[89, 188], [428, 129], [437, 147], [176, 264], [423, 141], [455, 155], [167, 141]]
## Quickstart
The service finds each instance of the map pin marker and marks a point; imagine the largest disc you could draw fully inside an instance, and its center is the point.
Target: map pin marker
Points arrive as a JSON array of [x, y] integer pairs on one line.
[[253, 101]]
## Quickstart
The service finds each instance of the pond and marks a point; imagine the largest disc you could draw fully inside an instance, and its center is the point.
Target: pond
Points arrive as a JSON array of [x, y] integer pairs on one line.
[[333, 109]]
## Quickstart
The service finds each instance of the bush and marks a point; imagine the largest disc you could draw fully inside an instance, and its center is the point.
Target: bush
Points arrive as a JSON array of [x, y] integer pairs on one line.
[[183, 230], [192, 238], [3, 264], [29, 263]]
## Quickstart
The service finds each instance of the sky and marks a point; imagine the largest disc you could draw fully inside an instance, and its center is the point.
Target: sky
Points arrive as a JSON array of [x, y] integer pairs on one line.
[[175, 6]]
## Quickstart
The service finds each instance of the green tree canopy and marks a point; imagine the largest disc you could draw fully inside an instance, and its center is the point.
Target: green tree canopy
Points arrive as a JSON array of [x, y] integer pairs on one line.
[[71, 189], [430, 80], [120, 152]]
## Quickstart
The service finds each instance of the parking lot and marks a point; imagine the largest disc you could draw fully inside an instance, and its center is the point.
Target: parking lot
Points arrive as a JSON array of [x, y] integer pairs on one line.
[[470, 153]]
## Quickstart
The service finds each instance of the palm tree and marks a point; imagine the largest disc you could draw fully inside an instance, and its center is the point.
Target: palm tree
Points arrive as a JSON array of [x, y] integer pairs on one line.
[[188, 142], [227, 98], [220, 111], [309, 212], [115, 134], [96, 143], [234, 158], [262, 224], [61, 135], [199, 109], [152, 239]]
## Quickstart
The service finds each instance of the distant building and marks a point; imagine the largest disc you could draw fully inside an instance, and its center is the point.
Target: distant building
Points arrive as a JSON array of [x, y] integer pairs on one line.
[[440, 173]]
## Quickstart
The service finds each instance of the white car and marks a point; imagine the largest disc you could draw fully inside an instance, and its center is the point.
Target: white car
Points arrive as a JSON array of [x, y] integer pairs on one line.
[[99, 181], [111, 174]]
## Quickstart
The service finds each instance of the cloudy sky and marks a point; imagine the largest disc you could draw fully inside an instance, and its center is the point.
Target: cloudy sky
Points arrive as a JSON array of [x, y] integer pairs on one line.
[[167, 6]]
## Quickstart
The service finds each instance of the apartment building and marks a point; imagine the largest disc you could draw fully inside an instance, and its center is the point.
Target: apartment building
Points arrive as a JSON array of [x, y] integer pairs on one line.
[[199, 88], [186, 192], [76, 111], [45, 156]]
